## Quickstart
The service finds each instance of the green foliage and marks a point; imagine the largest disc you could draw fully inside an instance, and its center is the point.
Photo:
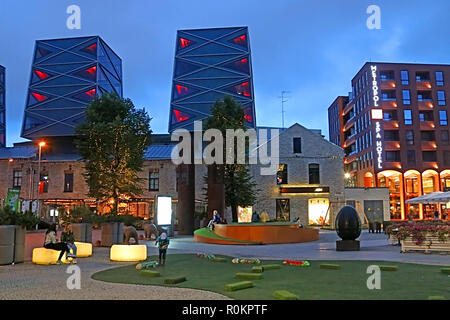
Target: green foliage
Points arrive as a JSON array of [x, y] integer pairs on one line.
[[81, 214], [112, 141], [10, 217], [240, 188]]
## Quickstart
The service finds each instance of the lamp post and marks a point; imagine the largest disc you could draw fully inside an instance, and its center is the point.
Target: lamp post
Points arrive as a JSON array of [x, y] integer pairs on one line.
[[41, 144]]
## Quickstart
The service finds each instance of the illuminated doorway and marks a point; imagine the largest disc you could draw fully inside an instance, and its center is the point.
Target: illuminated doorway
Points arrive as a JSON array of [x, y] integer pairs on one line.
[[430, 183], [318, 211], [412, 183], [393, 180]]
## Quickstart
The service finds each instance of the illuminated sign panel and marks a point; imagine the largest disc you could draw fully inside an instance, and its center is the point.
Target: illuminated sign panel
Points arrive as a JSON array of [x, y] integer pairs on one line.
[[377, 114], [164, 210]]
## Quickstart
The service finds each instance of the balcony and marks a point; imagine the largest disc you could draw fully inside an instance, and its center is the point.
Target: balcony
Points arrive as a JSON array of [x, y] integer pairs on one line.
[[392, 165], [423, 85], [390, 125], [427, 125], [350, 140], [425, 105], [428, 145], [388, 104], [350, 122], [387, 84], [347, 108], [391, 145]]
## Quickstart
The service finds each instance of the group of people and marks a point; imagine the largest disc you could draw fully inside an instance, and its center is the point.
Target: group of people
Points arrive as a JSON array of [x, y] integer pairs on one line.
[[67, 244]]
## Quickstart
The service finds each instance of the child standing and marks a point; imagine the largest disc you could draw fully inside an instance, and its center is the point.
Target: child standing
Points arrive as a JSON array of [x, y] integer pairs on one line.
[[163, 242], [67, 237]]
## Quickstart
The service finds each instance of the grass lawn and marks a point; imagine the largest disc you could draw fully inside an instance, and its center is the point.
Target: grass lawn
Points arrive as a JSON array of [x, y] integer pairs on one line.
[[411, 281]]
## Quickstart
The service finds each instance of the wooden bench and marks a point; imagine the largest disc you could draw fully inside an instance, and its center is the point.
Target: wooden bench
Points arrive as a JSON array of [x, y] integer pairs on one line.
[[431, 243]]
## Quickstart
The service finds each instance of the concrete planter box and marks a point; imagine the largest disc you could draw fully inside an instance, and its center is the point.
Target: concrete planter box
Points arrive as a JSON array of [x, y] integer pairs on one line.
[[431, 243], [112, 233], [7, 234], [19, 244], [82, 232]]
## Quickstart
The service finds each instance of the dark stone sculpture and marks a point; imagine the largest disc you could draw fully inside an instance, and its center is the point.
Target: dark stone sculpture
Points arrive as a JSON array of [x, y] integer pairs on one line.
[[348, 227]]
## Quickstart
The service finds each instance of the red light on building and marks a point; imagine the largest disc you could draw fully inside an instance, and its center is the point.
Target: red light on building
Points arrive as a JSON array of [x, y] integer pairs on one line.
[[10, 160], [181, 89], [243, 88], [92, 70], [41, 75], [92, 48], [39, 97], [241, 40], [91, 93], [41, 187], [180, 116], [184, 43]]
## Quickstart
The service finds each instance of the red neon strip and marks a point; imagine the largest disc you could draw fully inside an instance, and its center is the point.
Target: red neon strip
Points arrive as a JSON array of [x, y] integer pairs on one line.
[[185, 42], [92, 48], [90, 93], [92, 70], [180, 116], [181, 89]]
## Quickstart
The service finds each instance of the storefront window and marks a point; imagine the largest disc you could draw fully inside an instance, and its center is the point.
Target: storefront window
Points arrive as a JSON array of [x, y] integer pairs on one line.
[[392, 180]]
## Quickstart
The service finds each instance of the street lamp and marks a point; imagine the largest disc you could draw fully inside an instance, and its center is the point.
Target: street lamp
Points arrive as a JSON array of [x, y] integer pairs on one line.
[[41, 144]]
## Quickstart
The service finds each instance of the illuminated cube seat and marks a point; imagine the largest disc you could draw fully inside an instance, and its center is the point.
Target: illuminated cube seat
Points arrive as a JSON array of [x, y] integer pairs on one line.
[[84, 249], [128, 253], [46, 256]]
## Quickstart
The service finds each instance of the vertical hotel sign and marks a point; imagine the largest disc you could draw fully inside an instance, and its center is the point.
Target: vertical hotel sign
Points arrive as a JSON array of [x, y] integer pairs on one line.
[[377, 115]]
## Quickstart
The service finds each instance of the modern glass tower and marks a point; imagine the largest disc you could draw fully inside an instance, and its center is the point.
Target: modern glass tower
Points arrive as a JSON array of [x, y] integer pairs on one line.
[[2, 108], [209, 64], [66, 75]]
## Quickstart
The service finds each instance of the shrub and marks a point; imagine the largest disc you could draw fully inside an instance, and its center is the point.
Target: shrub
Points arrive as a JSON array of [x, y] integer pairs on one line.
[[26, 219], [419, 230]]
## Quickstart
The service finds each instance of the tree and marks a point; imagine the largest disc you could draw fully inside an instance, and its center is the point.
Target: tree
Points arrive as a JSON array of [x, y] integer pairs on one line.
[[112, 141], [240, 189]]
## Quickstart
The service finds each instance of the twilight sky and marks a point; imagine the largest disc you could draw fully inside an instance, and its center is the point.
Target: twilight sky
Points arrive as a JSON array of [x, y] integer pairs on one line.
[[311, 48]]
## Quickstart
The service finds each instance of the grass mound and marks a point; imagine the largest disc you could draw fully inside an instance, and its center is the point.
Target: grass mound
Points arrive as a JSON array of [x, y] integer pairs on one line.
[[174, 280], [330, 266], [238, 285], [248, 276], [284, 295]]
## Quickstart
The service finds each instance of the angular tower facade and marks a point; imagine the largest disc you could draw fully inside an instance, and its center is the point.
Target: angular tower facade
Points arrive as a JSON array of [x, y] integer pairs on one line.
[[209, 64], [2, 107], [66, 75]]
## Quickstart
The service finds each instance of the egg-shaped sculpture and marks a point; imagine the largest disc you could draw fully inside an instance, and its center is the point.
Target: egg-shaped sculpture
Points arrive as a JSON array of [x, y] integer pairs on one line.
[[348, 226]]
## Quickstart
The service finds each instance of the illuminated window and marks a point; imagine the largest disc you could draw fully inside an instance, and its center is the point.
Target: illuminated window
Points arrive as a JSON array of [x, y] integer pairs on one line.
[[406, 97], [68, 182], [443, 117], [282, 174], [405, 77], [439, 78], [407, 114], [441, 98]]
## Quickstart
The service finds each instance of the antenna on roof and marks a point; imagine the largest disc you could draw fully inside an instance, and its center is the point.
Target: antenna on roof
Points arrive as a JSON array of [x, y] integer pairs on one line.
[[283, 100]]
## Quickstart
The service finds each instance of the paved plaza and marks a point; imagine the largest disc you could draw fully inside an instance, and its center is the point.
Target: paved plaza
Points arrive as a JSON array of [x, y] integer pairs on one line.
[[29, 281]]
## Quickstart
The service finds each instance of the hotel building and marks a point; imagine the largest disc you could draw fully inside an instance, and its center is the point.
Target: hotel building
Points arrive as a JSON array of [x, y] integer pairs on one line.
[[394, 129]]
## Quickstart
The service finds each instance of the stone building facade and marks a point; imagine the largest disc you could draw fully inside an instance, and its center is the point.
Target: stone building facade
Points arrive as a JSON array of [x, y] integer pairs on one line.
[[309, 184]]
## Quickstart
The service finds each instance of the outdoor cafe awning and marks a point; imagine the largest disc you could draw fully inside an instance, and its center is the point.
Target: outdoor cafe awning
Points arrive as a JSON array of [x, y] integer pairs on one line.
[[434, 197]]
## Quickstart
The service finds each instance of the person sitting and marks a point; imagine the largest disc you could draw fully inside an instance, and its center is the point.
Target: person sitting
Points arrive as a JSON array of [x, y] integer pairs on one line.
[[216, 219], [130, 232], [67, 237], [52, 243]]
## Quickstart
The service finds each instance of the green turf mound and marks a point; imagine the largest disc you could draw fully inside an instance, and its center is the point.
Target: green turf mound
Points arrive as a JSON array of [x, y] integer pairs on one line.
[[150, 273], [389, 268], [271, 267], [219, 259], [248, 276], [329, 266], [238, 286], [436, 298], [207, 233], [257, 269], [284, 295], [445, 270], [174, 280]]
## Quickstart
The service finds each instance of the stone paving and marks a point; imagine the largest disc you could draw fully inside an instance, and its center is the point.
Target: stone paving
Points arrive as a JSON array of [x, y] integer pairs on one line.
[[29, 281]]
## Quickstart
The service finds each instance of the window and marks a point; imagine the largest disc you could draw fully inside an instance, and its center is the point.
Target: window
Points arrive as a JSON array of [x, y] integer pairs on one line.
[[426, 116], [407, 114], [153, 180], [68, 182], [282, 174], [444, 137], [406, 97], [422, 76], [411, 155], [427, 135], [17, 178], [387, 75], [409, 137], [405, 77], [429, 155], [43, 184], [392, 156], [388, 95], [441, 97], [391, 135], [439, 78], [297, 145], [314, 174], [447, 158], [390, 115], [443, 117]]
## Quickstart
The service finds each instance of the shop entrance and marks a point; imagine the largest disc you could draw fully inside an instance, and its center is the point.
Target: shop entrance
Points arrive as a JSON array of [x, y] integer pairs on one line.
[[283, 209]]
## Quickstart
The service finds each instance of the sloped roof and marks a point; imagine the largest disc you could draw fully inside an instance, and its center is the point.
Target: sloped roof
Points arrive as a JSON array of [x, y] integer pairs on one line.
[[159, 152], [24, 152]]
